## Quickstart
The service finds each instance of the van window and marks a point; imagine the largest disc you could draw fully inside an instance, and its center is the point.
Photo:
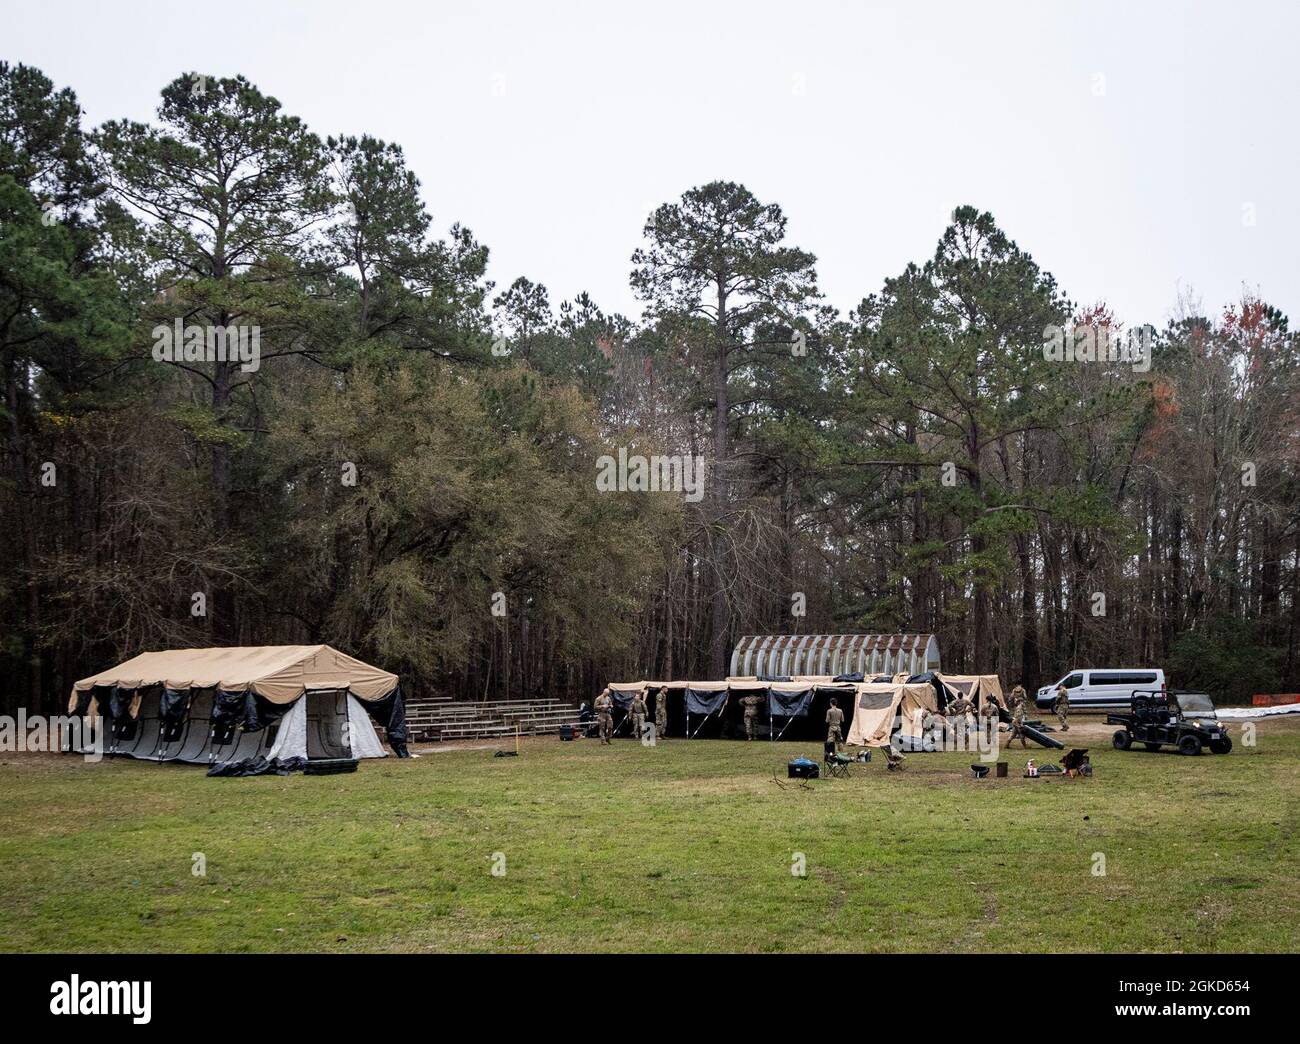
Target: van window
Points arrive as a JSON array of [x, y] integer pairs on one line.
[[1123, 678], [1073, 681]]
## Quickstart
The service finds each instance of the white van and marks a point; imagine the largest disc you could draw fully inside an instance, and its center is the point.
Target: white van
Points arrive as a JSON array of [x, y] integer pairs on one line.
[[1106, 689]]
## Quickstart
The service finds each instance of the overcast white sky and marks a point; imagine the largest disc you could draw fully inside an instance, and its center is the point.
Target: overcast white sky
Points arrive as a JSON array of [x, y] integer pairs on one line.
[[1124, 145]]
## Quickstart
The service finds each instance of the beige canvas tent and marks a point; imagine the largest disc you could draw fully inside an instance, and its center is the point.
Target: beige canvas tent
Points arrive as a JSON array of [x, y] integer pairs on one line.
[[795, 708], [278, 673], [282, 701], [879, 706], [872, 709], [975, 687]]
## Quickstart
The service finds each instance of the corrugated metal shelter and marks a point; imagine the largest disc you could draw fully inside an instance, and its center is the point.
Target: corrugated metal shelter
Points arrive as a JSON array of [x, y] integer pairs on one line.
[[871, 655]]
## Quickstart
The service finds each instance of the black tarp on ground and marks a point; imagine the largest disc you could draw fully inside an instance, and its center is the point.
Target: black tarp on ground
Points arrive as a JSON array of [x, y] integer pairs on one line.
[[259, 766]]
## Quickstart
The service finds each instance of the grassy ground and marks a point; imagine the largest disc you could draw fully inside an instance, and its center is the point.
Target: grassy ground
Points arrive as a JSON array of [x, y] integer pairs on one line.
[[686, 846]]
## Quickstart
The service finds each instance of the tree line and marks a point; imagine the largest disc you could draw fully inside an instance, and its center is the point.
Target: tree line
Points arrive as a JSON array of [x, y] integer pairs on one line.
[[407, 467]]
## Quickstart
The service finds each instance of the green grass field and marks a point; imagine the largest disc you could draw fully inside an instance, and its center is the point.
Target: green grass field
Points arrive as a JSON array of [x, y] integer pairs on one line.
[[685, 846]]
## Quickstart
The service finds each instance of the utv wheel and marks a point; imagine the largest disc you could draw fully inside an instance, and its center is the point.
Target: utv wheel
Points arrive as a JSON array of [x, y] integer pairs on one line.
[[1189, 745], [1122, 740], [1152, 746], [1221, 746]]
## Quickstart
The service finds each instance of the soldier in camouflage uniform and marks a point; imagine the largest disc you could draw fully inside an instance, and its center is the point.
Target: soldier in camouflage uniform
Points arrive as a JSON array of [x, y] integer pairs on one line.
[[661, 714], [1062, 707], [604, 708], [989, 717], [960, 711], [1016, 705], [751, 703], [638, 712], [893, 758], [834, 725]]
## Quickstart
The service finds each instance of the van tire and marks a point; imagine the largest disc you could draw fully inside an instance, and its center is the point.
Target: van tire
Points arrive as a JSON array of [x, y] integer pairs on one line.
[[1189, 745], [1122, 740]]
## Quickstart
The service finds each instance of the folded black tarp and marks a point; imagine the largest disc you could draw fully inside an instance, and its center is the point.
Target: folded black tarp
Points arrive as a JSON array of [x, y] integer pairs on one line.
[[174, 705], [704, 701], [118, 711], [259, 766], [789, 704]]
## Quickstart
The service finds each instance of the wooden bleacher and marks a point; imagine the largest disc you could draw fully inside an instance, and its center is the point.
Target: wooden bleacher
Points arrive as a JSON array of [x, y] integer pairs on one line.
[[437, 719]]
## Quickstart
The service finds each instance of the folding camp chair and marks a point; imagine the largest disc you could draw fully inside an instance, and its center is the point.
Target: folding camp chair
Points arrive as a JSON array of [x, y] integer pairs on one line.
[[836, 764]]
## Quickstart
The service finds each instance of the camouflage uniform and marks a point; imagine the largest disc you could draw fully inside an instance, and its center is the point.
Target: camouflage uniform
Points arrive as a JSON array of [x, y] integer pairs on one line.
[[834, 723], [960, 707], [961, 711], [1016, 705], [989, 717], [638, 712], [1062, 707], [661, 714], [893, 758], [604, 708], [751, 705]]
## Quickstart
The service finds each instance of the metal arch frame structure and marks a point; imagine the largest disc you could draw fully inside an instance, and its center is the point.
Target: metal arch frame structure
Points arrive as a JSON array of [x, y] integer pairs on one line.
[[788, 655]]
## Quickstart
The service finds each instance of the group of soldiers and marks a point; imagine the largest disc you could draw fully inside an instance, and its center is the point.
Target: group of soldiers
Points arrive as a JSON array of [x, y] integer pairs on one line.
[[1019, 700], [961, 713], [637, 710], [962, 710]]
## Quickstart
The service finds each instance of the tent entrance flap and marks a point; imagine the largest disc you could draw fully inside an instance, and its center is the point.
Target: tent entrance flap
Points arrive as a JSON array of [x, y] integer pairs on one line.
[[328, 731], [706, 705], [789, 704]]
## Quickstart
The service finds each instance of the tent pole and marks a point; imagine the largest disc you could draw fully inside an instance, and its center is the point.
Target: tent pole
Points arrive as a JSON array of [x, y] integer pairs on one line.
[[702, 721]]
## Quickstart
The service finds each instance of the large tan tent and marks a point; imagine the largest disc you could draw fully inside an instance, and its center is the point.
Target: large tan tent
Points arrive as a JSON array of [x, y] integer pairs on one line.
[[880, 707], [871, 709], [977, 688], [279, 673], [287, 702]]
